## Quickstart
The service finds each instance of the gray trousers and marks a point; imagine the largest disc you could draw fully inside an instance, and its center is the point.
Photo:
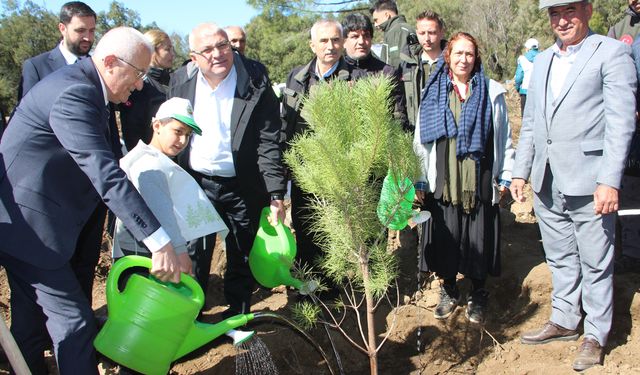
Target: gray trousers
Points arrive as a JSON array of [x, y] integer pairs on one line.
[[579, 251]]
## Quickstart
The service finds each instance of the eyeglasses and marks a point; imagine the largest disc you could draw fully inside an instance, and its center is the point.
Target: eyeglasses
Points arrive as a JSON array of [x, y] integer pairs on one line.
[[140, 74], [222, 47]]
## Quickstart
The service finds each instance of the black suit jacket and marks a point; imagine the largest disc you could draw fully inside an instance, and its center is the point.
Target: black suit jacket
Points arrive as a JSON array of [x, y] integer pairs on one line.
[[255, 130], [57, 162], [38, 67]]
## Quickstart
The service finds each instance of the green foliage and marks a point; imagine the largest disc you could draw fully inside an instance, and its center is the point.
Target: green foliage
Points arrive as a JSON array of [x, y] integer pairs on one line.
[[25, 31], [279, 41], [117, 15], [352, 142], [305, 314]]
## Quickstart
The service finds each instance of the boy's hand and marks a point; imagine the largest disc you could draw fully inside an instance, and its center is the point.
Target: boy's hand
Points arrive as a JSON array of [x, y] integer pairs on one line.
[[164, 264]]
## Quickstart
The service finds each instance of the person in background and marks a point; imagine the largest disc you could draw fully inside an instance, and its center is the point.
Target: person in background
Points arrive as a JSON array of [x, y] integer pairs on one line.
[[418, 61], [136, 113], [395, 28], [463, 140], [327, 43], [237, 38], [78, 29], [577, 126], [628, 27], [358, 31], [629, 226], [523, 70]]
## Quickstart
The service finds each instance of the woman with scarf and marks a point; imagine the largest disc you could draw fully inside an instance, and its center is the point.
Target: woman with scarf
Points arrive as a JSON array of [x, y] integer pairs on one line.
[[464, 142], [136, 113]]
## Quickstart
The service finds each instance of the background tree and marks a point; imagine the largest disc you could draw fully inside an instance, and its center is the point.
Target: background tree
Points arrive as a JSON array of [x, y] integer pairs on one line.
[[25, 30], [280, 41]]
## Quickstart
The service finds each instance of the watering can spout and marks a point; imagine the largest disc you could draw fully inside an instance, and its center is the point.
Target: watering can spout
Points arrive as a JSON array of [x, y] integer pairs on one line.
[[203, 333]]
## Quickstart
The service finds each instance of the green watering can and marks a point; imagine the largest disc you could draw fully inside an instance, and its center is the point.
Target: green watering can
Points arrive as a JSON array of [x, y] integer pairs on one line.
[[272, 256], [394, 210], [152, 323]]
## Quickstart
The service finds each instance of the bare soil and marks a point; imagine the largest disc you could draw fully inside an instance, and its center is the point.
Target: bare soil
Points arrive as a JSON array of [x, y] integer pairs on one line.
[[519, 301]]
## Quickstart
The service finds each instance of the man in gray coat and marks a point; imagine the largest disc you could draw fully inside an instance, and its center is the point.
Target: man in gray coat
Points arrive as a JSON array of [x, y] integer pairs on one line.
[[574, 140]]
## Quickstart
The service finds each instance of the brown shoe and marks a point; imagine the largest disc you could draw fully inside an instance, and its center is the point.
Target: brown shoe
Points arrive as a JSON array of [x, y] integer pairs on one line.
[[589, 355], [549, 332]]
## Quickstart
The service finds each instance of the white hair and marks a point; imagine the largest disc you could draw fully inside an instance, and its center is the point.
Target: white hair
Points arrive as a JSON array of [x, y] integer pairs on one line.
[[206, 29], [244, 32], [123, 42], [324, 22]]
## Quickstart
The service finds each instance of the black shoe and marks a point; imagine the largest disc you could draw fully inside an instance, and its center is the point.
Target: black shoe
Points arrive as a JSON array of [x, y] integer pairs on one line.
[[449, 299], [477, 306]]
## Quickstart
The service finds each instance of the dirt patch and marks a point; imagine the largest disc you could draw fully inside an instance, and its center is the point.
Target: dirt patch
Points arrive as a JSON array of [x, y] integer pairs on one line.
[[519, 301]]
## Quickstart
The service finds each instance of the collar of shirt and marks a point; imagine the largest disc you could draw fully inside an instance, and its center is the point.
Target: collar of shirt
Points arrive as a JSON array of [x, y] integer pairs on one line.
[[104, 87], [571, 50], [424, 58], [328, 73], [228, 83], [69, 57]]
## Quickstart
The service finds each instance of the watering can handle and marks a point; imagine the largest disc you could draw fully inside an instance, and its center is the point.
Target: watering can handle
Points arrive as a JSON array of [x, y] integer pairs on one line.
[[138, 261], [279, 227]]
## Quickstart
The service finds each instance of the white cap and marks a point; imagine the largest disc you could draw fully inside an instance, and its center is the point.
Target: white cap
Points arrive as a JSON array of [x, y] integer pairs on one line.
[[531, 43], [179, 109]]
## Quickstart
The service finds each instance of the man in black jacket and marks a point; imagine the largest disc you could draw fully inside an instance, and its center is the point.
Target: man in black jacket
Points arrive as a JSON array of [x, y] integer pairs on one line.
[[327, 42], [358, 33], [237, 159]]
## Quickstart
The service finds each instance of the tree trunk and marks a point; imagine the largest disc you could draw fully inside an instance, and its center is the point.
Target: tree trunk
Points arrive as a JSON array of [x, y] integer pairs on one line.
[[371, 330]]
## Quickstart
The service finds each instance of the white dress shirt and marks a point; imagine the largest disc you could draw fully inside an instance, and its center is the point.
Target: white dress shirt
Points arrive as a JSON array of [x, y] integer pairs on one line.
[[211, 151], [561, 66], [69, 57]]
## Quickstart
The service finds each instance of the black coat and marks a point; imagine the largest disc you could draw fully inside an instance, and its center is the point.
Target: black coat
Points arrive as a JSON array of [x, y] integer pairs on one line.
[[255, 131]]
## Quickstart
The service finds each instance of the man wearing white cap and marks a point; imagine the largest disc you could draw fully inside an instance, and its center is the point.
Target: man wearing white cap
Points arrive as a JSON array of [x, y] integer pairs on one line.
[[523, 70], [576, 130]]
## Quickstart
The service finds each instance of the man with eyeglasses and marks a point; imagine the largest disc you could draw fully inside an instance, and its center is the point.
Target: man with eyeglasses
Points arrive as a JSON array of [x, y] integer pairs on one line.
[[58, 165], [77, 26], [237, 160]]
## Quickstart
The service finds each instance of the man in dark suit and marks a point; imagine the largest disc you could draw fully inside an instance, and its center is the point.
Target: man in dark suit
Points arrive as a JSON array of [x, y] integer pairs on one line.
[[77, 26], [237, 159], [57, 163]]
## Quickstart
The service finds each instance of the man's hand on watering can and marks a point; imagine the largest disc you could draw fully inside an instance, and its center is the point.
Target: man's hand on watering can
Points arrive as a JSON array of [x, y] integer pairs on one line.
[[186, 265], [278, 212], [164, 264]]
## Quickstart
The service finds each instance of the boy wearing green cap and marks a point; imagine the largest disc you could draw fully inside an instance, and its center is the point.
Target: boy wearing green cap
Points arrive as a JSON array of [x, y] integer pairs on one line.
[[172, 194]]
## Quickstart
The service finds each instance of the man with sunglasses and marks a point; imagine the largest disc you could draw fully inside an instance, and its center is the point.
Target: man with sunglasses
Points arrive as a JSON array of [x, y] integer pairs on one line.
[[237, 160], [58, 164]]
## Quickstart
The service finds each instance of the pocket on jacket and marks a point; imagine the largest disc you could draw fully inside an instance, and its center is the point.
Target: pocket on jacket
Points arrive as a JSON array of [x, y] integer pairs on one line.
[[592, 147], [35, 201]]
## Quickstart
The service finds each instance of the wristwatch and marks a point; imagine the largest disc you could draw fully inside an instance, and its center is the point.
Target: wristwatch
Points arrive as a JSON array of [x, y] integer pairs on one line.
[[277, 196]]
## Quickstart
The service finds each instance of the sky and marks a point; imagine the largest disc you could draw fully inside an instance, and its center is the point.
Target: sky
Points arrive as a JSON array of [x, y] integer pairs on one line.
[[175, 16]]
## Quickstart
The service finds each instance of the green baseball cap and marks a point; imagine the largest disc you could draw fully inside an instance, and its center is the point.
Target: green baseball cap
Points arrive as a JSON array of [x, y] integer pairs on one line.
[[181, 110]]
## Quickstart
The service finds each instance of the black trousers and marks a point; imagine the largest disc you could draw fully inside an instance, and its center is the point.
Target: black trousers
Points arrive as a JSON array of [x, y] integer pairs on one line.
[[241, 217], [307, 249]]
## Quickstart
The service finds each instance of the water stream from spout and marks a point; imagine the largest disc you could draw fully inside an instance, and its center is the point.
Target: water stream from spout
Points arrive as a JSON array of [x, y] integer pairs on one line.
[[253, 358]]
